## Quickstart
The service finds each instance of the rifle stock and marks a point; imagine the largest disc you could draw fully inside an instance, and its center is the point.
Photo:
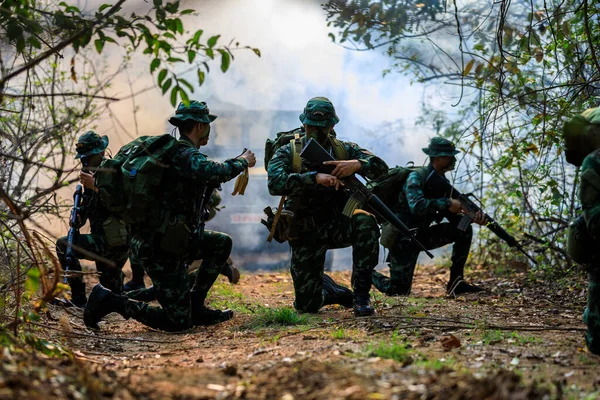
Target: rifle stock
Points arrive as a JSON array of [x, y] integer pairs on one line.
[[359, 195], [438, 181]]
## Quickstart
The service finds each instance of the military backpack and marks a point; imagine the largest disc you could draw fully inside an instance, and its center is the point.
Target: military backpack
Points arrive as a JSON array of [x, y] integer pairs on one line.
[[388, 187], [129, 183]]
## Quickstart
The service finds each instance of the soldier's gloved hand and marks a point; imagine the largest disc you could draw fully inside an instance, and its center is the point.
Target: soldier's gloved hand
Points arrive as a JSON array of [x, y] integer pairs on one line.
[[480, 218], [250, 157], [87, 180], [455, 206], [329, 181], [344, 168]]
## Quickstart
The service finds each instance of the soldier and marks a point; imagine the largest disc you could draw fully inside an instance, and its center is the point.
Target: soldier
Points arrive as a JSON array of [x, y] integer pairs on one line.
[[159, 242], [418, 206], [582, 148], [317, 204], [108, 236]]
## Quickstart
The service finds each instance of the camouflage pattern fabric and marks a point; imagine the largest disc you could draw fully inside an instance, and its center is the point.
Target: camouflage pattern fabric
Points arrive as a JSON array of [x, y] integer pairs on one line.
[[403, 257], [589, 194], [190, 171], [95, 244], [321, 226]]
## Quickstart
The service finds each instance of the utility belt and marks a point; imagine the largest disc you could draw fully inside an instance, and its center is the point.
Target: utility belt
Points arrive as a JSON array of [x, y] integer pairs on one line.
[[175, 233]]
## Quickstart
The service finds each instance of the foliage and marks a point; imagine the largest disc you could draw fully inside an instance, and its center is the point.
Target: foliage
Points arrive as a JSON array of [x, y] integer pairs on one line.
[[520, 69], [277, 316], [394, 349]]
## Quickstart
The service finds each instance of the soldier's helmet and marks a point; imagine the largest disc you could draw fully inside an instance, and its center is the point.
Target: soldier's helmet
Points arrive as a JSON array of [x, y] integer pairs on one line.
[[440, 147], [582, 135], [196, 111], [319, 111], [90, 143]]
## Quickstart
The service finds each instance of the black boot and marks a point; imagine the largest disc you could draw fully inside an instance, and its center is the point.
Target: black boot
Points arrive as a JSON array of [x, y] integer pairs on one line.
[[134, 285], [459, 286], [101, 303], [231, 272], [78, 293], [336, 294], [362, 305], [202, 315]]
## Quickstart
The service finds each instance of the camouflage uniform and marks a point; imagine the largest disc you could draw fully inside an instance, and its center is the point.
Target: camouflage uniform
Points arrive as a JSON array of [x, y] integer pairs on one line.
[[182, 303], [89, 246], [320, 224], [582, 134], [418, 206]]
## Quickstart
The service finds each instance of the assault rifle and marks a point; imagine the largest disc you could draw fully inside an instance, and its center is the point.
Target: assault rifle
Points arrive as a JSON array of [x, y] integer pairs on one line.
[[314, 154], [440, 183], [200, 220], [73, 235]]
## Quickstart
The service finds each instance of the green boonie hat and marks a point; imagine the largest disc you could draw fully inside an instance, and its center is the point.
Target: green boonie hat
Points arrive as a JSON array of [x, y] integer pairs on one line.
[[197, 111], [578, 133], [319, 111], [440, 147], [90, 143]]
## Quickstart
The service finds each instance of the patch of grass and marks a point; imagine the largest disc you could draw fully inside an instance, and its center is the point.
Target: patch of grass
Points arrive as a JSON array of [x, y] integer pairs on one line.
[[495, 336], [437, 364], [278, 316], [393, 349], [223, 295], [492, 337], [339, 334]]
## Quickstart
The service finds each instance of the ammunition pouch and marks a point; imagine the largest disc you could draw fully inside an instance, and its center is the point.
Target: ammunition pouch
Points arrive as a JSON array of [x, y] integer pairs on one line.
[[175, 235], [580, 244], [115, 232], [389, 235], [286, 229]]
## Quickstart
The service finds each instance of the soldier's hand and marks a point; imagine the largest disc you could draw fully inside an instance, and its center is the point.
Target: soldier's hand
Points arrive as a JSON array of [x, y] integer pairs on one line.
[[455, 206], [87, 180], [250, 157], [329, 181], [344, 168], [480, 218]]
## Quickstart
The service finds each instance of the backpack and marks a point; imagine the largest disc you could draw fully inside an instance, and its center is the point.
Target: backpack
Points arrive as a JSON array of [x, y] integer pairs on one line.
[[388, 187], [129, 183], [296, 135]]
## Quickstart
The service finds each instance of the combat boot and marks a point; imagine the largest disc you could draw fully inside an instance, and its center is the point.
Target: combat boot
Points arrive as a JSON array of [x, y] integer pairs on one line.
[[336, 294], [102, 302], [134, 285], [202, 315], [362, 305], [78, 298], [459, 286], [231, 272]]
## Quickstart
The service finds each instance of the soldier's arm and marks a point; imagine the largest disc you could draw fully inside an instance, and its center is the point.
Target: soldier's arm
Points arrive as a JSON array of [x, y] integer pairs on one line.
[[417, 202], [199, 168], [281, 179], [372, 167]]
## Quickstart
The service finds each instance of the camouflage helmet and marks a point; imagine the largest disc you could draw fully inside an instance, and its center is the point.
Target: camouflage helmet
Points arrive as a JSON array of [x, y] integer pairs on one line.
[[440, 147], [582, 135], [319, 111], [196, 111], [90, 143]]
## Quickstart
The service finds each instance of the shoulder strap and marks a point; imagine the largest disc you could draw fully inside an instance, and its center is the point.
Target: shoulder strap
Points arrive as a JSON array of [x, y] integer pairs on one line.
[[339, 150], [296, 150]]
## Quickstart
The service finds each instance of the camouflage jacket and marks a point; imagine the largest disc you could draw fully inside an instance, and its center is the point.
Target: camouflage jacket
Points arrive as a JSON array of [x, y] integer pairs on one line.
[[418, 204], [305, 196], [589, 193], [190, 172], [94, 210]]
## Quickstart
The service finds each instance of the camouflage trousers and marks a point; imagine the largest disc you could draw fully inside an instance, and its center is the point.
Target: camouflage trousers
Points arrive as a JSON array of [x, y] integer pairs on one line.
[[308, 257], [88, 247], [176, 293], [403, 257], [591, 315]]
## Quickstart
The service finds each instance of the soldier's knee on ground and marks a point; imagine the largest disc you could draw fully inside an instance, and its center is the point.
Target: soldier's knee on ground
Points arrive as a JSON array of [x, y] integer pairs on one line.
[[312, 306]]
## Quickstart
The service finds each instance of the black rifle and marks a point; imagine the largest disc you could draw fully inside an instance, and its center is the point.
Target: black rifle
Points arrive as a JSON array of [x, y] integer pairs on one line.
[[315, 155], [439, 183], [200, 220], [74, 225]]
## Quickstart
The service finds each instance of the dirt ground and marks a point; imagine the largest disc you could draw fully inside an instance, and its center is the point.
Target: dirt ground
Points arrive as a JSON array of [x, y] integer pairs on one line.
[[521, 340]]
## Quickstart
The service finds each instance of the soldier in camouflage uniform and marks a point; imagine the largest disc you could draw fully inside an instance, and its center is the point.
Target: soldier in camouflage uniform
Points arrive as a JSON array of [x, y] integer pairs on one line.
[[158, 242], [418, 207], [317, 204], [582, 144], [108, 236]]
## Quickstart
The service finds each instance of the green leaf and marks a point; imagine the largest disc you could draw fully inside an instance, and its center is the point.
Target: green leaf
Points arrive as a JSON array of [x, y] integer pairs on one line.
[[191, 55], [179, 26], [197, 35], [184, 97], [166, 85], [212, 41], [157, 3], [187, 84], [104, 7], [99, 45], [14, 30], [256, 51], [225, 60], [154, 64], [174, 59], [201, 76], [185, 12], [468, 67], [161, 76], [174, 95], [32, 284]]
